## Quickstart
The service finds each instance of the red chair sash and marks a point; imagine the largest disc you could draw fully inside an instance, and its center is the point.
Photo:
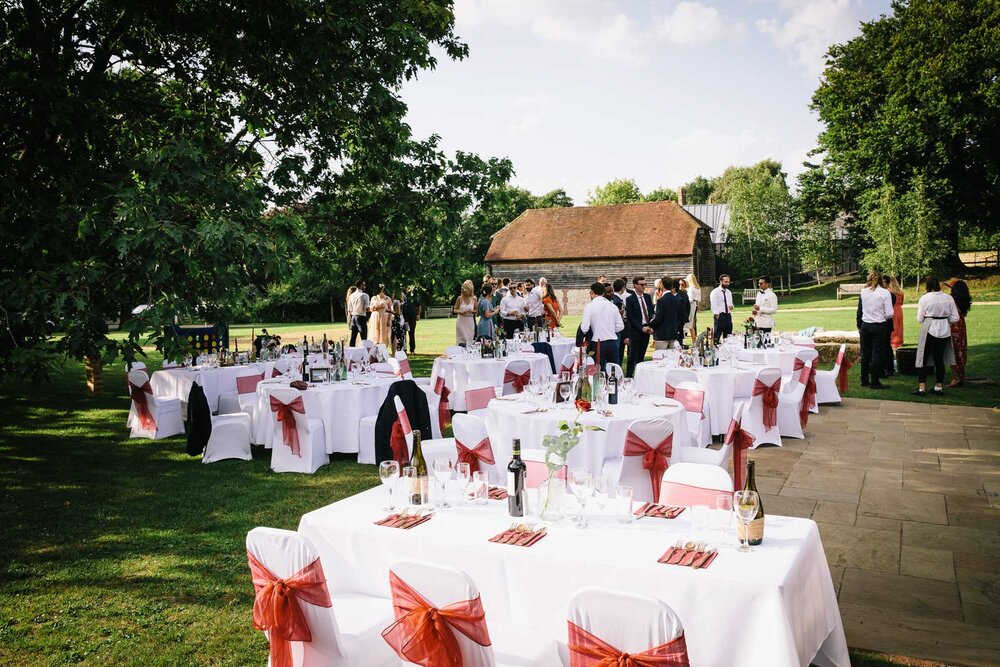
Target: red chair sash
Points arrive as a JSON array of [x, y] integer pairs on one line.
[[275, 372], [404, 368], [477, 399], [537, 472], [424, 634], [138, 395], [770, 401], [247, 384], [679, 494], [586, 650], [518, 380], [740, 441], [565, 369], [276, 605], [289, 432], [481, 452], [669, 390], [654, 459], [809, 397], [692, 400], [444, 406], [397, 438], [845, 365]]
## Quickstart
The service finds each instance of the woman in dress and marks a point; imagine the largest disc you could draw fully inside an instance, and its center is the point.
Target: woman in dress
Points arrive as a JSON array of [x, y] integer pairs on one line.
[[381, 307], [465, 311], [959, 338], [896, 340], [553, 313], [399, 325], [694, 296], [485, 311], [936, 312]]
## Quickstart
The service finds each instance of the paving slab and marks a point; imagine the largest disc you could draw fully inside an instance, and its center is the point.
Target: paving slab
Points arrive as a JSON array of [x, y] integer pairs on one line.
[[903, 505], [862, 548], [927, 563]]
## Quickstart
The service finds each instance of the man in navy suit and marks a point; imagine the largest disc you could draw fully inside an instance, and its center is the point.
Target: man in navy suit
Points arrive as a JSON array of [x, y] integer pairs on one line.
[[638, 315], [663, 326]]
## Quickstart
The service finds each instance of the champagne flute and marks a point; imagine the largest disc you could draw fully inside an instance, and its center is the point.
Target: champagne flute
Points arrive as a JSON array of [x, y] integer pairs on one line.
[[602, 489], [724, 512], [564, 389], [746, 503], [464, 473], [388, 472], [582, 484], [442, 471]]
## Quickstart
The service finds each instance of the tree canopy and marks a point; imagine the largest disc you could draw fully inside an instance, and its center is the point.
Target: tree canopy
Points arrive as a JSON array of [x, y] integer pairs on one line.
[[619, 191], [698, 191]]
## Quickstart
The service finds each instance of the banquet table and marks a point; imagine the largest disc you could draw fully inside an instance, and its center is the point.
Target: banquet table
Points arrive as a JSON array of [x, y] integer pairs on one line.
[[459, 371], [722, 385], [506, 420], [176, 382], [783, 358], [340, 406], [560, 348], [773, 607]]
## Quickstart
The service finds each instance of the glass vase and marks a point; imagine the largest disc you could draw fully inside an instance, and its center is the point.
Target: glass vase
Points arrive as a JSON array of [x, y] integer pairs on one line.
[[551, 496]]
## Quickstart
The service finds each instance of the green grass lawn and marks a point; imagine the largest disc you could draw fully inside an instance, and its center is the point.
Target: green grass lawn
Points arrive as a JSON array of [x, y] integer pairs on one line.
[[825, 296]]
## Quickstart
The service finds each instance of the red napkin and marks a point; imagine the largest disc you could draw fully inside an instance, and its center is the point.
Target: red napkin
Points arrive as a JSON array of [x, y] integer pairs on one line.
[[519, 539], [395, 521], [659, 511], [498, 493], [675, 556]]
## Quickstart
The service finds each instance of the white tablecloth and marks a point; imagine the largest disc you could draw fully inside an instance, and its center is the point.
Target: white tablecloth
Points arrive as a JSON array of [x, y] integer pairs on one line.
[[560, 348], [458, 372], [176, 382], [505, 420], [783, 359], [722, 384], [774, 607], [340, 405]]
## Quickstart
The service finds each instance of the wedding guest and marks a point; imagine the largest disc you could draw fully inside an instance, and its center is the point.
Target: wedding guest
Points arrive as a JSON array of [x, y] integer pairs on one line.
[[411, 313], [358, 307], [889, 368], [602, 321], [512, 311], [465, 312], [693, 290], [602, 279], [658, 290], [683, 308], [936, 311], [381, 307], [553, 312], [485, 310], [618, 298], [533, 299], [874, 308], [897, 313], [638, 309], [959, 339], [765, 306], [721, 301], [663, 327], [398, 325]]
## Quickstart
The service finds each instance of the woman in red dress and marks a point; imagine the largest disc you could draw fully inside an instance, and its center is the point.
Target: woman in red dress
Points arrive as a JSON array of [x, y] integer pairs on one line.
[[896, 340], [959, 338]]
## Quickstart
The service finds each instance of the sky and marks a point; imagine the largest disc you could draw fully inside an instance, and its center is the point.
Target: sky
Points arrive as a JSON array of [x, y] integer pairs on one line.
[[580, 92]]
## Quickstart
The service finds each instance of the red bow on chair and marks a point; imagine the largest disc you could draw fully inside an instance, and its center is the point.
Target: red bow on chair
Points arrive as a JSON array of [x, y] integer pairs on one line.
[[809, 396], [404, 367], [276, 606], [845, 365], [740, 441], [289, 433], [586, 650], [424, 634], [275, 372], [770, 401], [138, 395], [669, 390], [444, 406], [397, 443], [654, 459], [481, 452], [519, 380]]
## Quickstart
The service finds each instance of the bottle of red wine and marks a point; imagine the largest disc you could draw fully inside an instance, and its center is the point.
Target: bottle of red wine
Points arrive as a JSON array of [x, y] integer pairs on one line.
[[516, 470], [305, 359], [612, 388], [755, 531]]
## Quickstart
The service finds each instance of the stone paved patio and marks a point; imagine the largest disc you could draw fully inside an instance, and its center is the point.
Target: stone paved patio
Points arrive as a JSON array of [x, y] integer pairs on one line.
[[907, 499]]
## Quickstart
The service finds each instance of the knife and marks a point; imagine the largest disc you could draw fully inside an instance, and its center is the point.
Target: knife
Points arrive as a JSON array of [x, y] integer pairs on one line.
[[701, 561]]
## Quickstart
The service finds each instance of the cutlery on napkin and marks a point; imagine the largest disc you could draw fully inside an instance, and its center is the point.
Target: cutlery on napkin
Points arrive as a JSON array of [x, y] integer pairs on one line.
[[695, 556], [520, 535], [498, 493], [659, 511], [404, 520]]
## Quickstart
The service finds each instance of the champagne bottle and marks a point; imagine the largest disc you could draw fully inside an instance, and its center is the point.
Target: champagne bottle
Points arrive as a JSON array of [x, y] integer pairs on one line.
[[326, 347], [583, 389], [516, 471], [419, 489], [756, 528]]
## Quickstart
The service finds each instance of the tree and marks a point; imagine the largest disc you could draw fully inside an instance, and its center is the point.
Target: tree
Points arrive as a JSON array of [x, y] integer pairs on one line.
[[661, 194], [917, 93], [698, 191], [823, 196], [763, 227], [142, 141], [555, 199], [620, 191], [722, 187]]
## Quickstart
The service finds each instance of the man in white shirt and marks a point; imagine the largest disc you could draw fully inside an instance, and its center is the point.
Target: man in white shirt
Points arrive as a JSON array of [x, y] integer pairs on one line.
[[765, 306], [358, 307], [721, 300], [512, 313], [876, 308], [536, 311], [602, 320]]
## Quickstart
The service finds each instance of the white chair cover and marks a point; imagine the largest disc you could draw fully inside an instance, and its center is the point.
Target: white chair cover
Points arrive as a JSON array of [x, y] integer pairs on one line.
[[166, 412], [349, 632], [470, 430], [716, 457], [616, 369], [790, 402], [631, 623], [690, 395], [826, 381], [753, 411], [230, 438], [677, 375], [567, 363], [244, 399], [167, 363], [810, 356], [652, 432], [478, 396], [519, 367], [702, 476], [312, 440]]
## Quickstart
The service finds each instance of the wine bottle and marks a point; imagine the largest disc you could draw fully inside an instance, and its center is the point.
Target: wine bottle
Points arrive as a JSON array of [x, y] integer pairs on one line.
[[305, 359], [419, 489], [326, 347], [612, 388], [516, 471], [756, 528], [583, 388]]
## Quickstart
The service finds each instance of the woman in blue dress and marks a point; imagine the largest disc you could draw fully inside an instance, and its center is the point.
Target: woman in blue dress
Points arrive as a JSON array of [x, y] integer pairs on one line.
[[485, 310]]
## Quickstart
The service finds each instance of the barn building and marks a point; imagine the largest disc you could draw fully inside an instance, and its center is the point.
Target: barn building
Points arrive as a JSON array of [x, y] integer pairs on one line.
[[572, 246]]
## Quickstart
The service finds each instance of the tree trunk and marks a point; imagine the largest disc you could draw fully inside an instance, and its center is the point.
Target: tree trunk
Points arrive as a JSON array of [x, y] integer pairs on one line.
[[95, 375], [332, 319]]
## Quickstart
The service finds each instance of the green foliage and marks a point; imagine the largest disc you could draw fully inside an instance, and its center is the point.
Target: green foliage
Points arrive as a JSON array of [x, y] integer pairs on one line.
[[619, 191], [918, 93], [722, 187], [698, 191], [661, 194], [555, 199], [821, 199], [764, 226]]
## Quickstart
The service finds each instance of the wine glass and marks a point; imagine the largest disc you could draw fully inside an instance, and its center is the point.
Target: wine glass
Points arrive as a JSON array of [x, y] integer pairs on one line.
[[463, 471], [746, 504], [602, 489], [411, 483], [388, 472], [442, 471], [581, 482], [627, 387], [724, 512], [564, 390]]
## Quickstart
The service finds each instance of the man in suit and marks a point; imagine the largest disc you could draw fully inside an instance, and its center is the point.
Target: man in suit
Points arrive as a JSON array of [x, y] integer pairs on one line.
[[722, 309], [638, 314], [618, 298], [663, 327], [683, 309]]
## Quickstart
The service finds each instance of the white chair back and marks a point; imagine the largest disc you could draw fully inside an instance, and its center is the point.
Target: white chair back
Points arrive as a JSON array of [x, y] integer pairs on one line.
[[404, 364], [652, 432], [470, 430], [694, 484], [137, 366], [139, 378], [675, 376], [478, 395], [840, 358], [517, 367], [367, 344], [616, 369], [808, 356], [631, 623], [404, 422], [537, 472], [567, 363], [167, 363], [441, 586]]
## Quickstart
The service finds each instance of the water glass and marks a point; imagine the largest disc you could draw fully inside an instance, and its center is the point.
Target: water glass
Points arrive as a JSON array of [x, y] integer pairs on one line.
[[602, 489], [442, 471], [388, 472], [623, 504], [724, 512], [481, 487], [464, 473], [699, 520]]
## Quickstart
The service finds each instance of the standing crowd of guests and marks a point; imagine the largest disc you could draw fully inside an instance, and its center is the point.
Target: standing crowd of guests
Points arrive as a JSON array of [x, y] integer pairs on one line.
[[392, 320]]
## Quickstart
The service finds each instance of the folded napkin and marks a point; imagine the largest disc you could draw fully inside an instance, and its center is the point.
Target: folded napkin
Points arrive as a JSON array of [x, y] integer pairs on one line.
[[298, 384], [659, 511], [520, 538], [695, 559], [498, 493], [405, 522]]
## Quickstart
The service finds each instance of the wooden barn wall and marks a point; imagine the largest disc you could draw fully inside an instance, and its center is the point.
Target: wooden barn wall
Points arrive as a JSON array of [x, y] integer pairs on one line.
[[579, 274], [705, 261]]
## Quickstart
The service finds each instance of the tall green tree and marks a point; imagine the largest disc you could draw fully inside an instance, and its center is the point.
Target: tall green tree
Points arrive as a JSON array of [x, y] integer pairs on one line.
[[698, 191], [763, 228], [619, 191], [660, 194], [823, 196], [722, 186], [915, 100], [554, 199]]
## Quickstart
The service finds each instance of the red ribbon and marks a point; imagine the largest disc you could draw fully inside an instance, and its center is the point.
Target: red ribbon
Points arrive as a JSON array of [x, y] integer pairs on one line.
[[669, 390], [276, 606], [397, 442], [770, 401], [481, 452], [586, 650], [275, 372], [404, 367], [845, 365], [424, 634], [519, 380], [138, 395], [809, 396], [740, 441], [247, 384], [289, 433], [477, 399], [444, 406], [692, 400], [654, 459]]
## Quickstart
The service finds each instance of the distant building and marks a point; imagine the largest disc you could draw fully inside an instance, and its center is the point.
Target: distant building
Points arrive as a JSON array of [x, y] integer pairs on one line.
[[716, 216], [572, 246]]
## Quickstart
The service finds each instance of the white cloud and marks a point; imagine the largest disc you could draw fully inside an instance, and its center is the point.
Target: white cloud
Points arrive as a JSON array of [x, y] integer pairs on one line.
[[811, 28], [695, 23], [529, 112], [707, 152]]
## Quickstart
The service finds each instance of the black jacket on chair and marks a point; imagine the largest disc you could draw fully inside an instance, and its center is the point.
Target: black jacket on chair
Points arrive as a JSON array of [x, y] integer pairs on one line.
[[199, 421], [415, 402], [546, 349]]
